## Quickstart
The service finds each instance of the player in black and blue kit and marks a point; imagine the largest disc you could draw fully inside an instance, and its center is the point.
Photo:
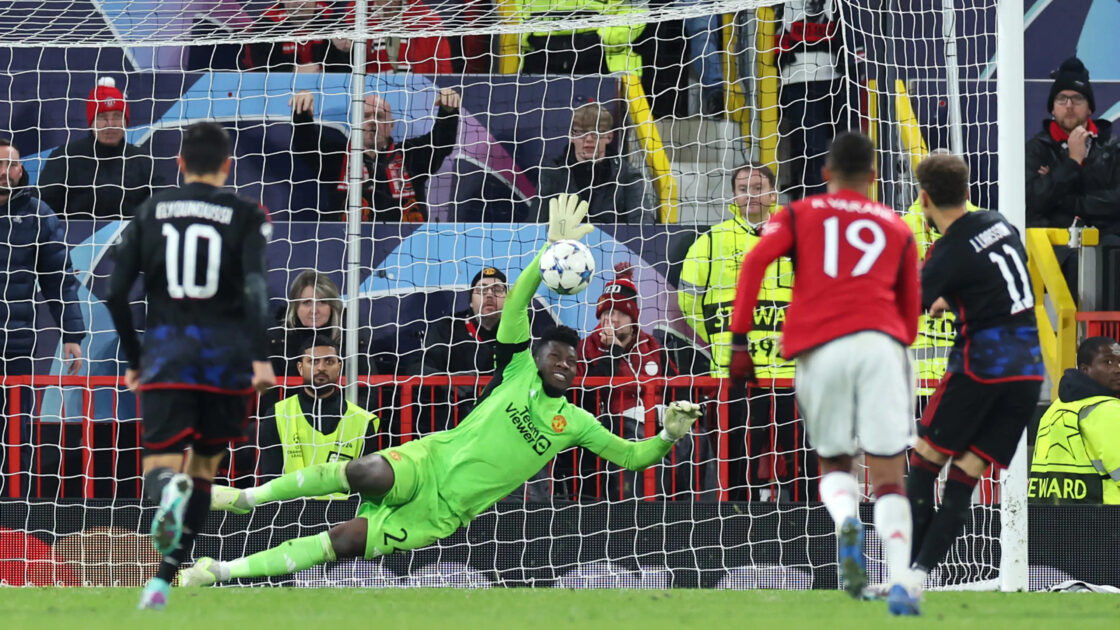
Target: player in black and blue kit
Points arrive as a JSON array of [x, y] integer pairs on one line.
[[978, 270], [201, 250]]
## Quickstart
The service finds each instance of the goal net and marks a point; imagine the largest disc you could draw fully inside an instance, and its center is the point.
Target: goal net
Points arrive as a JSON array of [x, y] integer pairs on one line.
[[405, 151]]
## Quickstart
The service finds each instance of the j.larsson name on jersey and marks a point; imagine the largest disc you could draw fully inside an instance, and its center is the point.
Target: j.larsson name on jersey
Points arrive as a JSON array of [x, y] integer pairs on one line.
[[523, 422], [989, 237], [193, 209]]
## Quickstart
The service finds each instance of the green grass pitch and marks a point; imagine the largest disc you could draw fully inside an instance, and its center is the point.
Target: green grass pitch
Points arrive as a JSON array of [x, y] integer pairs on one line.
[[539, 609]]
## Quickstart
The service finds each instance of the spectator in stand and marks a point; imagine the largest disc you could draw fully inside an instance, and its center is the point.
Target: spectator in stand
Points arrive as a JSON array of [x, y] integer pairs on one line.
[[1073, 166], [615, 190], [314, 310], [396, 176], [465, 341], [618, 348], [763, 440], [418, 55], [297, 19], [812, 90], [99, 176], [704, 44], [33, 248], [315, 425]]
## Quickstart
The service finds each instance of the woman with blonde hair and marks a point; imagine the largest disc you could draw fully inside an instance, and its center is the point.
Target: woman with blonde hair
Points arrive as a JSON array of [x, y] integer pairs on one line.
[[314, 307]]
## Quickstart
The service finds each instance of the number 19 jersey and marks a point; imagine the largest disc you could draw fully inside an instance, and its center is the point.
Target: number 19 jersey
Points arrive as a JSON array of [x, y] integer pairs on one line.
[[855, 269], [201, 252]]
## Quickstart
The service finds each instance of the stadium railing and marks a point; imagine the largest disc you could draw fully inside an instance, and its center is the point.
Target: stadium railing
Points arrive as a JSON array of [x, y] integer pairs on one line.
[[73, 455]]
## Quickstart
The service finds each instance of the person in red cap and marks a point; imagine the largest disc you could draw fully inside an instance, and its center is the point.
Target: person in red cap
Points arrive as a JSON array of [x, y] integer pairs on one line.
[[99, 176], [619, 348]]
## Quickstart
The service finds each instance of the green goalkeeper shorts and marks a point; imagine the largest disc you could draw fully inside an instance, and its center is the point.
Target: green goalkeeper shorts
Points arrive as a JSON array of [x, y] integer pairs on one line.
[[412, 514]]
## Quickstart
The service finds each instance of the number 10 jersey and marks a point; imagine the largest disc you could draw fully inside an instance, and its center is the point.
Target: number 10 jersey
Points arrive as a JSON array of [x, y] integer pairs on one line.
[[201, 250]]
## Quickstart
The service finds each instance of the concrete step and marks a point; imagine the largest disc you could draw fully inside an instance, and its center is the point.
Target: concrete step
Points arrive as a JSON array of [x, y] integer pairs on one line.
[[703, 140], [701, 214]]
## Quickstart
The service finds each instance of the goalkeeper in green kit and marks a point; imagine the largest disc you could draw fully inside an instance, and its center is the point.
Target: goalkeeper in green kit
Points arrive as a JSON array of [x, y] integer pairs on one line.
[[424, 490]]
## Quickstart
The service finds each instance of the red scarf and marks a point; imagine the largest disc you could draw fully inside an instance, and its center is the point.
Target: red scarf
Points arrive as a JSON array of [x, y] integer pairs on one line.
[[1060, 135]]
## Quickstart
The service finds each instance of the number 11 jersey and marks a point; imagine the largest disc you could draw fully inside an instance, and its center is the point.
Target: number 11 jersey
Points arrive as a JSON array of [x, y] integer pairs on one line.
[[980, 267], [201, 250], [855, 269]]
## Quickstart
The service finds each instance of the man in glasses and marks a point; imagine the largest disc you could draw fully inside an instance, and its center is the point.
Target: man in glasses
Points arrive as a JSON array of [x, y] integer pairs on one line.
[[614, 190], [1072, 168]]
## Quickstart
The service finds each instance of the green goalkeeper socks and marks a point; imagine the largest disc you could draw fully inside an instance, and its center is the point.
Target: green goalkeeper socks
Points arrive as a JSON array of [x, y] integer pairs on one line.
[[313, 481], [294, 555]]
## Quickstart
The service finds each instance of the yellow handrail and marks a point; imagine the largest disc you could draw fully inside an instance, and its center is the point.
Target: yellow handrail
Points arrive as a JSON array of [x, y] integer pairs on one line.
[[650, 139], [767, 90], [509, 44], [1058, 339], [873, 124], [908, 129], [733, 97]]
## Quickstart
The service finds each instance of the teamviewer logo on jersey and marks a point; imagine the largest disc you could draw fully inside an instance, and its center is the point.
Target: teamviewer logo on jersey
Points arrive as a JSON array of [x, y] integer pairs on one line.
[[522, 420]]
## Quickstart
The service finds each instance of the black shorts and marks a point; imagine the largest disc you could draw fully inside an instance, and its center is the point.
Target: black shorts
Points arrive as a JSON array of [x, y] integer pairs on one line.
[[985, 418], [174, 419]]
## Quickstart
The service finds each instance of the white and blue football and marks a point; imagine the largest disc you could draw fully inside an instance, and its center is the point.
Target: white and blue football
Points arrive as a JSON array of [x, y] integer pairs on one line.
[[567, 267]]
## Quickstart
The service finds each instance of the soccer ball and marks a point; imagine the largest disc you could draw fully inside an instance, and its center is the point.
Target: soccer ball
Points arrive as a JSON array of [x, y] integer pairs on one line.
[[567, 266]]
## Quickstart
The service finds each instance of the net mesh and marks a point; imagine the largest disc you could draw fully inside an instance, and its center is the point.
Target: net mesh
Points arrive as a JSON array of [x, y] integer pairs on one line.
[[668, 99]]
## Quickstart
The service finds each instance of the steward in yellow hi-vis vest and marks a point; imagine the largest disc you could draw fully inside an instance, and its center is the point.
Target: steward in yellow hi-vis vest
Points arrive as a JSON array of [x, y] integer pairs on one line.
[[1077, 449], [305, 444], [617, 41], [935, 335], [316, 425], [710, 277]]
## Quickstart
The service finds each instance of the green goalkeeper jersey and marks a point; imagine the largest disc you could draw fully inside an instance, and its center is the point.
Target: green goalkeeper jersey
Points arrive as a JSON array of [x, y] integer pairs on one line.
[[516, 428]]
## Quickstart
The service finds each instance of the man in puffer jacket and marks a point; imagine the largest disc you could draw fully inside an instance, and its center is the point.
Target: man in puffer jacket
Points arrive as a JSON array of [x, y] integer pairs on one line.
[[33, 250], [1073, 164]]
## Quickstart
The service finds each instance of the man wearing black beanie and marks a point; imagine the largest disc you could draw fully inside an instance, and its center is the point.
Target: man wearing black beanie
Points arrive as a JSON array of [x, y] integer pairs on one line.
[[1073, 171], [1072, 164]]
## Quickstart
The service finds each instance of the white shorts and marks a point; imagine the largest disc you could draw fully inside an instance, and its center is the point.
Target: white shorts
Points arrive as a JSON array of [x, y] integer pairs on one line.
[[856, 393]]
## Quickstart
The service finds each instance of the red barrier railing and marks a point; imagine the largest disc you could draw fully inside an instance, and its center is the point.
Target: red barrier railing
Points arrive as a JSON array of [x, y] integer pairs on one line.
[[387, 395]]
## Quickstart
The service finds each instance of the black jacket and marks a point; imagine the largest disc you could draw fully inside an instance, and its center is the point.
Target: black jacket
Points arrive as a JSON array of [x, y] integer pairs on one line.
[[613, 189], [33, 248], [1090, 190], [1076, 385], [458, 345], [420, 156], [87, 180], [284, 346]]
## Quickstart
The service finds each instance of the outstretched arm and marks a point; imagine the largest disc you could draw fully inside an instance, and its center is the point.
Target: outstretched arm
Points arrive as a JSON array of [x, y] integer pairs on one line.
[[565, 222], [514, 325], [642, 454]]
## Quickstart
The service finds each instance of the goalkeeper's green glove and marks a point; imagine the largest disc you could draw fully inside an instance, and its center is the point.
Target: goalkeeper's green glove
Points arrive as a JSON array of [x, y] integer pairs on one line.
[[566, 213], [678, 419]]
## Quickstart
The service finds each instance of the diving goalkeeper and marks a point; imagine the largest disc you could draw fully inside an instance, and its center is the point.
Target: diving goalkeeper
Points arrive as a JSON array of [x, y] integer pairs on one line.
[[424, 490]]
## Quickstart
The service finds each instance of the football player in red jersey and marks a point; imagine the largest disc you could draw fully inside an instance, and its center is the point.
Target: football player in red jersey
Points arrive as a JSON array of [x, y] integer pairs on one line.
[[854, 313]]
